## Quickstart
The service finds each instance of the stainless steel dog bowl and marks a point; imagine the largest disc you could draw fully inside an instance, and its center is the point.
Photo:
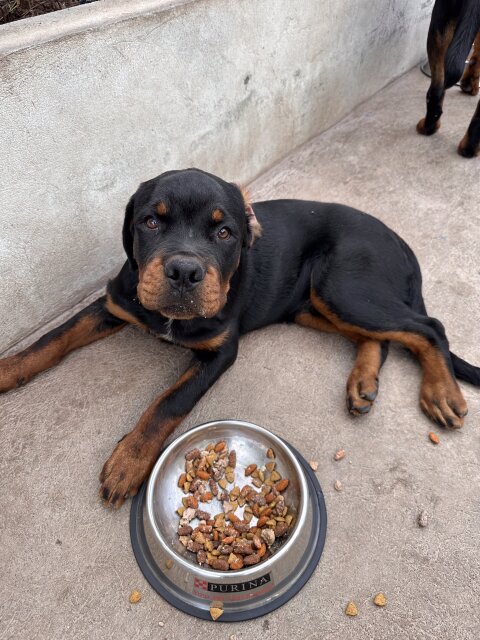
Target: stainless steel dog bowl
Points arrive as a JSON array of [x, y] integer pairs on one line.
[[249, 592]]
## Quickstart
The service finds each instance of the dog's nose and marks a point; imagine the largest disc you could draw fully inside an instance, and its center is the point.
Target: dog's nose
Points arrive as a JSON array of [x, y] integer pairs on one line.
[[184, 273]]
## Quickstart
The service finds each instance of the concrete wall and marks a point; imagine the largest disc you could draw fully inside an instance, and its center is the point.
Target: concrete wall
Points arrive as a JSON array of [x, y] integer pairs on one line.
[[97, 98]]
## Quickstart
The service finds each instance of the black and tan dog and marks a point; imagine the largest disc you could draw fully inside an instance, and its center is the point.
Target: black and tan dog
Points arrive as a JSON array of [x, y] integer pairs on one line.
[[201, 272], [454, 27]]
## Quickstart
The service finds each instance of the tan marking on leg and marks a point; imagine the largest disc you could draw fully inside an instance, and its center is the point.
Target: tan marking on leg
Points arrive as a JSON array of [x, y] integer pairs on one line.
[[362, 384], [306, 319], [470, 79], [22, 367]]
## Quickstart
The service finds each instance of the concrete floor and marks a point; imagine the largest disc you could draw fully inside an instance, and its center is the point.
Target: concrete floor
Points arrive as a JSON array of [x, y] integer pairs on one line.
[[67, 567]]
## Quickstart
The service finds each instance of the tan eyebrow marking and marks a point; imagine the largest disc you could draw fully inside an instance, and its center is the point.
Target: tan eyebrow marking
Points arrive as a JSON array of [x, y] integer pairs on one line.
[[217, 215], [161, 208]]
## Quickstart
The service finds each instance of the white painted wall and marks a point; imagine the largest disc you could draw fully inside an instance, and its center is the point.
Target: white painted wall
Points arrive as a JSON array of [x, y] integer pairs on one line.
[[95, 99]]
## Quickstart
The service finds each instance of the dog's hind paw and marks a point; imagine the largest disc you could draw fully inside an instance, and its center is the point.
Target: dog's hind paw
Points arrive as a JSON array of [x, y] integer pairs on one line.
[[362, 389], [443, 403]]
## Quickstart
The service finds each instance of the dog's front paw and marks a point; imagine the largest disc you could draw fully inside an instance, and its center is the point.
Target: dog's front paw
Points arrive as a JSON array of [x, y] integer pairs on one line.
[[427, 130], [11, 375], [126, 469], [443, 403]]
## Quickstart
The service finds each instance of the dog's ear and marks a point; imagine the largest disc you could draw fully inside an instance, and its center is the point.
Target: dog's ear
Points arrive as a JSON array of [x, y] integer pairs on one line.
[[128, 233], [254, 229]]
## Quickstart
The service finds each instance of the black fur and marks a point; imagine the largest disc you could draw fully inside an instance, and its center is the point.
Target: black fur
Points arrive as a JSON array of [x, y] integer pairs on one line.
[[327, 262]]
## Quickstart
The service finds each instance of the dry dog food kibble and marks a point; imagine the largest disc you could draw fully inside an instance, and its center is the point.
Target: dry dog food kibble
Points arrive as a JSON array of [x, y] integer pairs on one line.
[[135, 597], [252, 520]]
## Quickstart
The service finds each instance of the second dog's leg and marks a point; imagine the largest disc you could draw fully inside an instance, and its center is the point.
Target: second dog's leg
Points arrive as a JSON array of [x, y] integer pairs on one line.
[[470, 79], [437, 45], [92, 323], [470, 144]]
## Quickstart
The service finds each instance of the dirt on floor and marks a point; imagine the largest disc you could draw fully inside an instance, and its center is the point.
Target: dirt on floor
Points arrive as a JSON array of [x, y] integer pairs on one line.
[[11, 10]]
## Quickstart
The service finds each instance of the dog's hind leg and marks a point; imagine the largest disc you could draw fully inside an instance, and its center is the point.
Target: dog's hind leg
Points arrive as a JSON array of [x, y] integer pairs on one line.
[[470, 144], [471, 77], [380, 316], [362, 383], [439, 37], [92, 323]]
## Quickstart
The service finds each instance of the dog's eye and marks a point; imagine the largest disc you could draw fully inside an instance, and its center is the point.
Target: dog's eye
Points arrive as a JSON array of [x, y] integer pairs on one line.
[[151, 223], [224, 233]]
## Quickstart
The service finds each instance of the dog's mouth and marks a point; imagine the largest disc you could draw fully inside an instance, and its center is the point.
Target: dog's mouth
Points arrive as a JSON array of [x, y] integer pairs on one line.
[[204, 299]]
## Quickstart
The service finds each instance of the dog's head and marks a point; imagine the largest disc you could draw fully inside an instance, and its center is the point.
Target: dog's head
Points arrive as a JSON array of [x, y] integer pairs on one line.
[[184, 231]]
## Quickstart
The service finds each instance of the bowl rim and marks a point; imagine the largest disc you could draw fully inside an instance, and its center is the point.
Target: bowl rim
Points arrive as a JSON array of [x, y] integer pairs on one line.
[[212, 574]]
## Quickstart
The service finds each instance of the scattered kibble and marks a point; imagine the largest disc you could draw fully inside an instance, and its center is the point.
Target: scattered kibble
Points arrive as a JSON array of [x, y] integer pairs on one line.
[[169, 563], [313, 464], [422, 519], [270, 453], [215, 612], [135, 597], [339, 454], [351, 609], [380, 600], [161, 624], [433, 437], [225, 541], [337, 485]]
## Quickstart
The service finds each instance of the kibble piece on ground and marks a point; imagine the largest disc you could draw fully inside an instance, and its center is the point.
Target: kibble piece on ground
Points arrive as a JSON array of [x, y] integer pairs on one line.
[[351, 609], [215, 612], [313, 464], [380, 600], [339, 454], [337, 485], [433, 437], [135, 597]]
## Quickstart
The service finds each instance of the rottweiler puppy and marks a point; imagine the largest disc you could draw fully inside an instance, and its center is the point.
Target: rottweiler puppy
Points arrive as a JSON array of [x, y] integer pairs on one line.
[[205, 266], [453, 28]]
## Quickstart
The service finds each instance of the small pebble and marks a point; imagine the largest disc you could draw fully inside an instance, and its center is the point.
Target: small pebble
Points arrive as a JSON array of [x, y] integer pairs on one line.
[[313, 464], [433, 437], [135, 597], [380, 600], [233, 636], [337, 485], [339, 454], [161, 624], [351, 609], [422, 519]]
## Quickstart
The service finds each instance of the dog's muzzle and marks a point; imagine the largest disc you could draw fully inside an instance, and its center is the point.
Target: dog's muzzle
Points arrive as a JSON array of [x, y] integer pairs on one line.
[[183, 273]]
